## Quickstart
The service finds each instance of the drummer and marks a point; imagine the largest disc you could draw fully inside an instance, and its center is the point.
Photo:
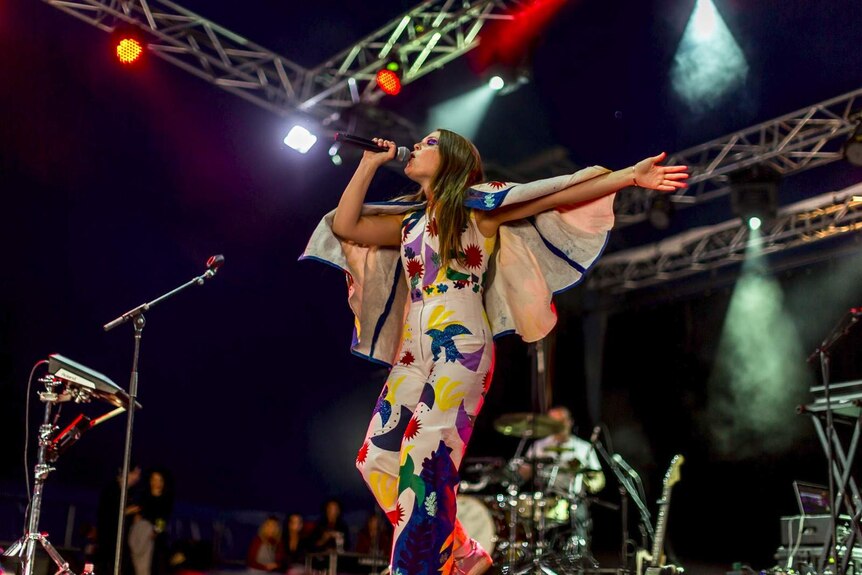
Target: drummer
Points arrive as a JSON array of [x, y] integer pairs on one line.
[[576, 462]]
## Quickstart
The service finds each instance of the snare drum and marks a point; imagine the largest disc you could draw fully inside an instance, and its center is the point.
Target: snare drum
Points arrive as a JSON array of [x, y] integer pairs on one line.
[[532, 506]]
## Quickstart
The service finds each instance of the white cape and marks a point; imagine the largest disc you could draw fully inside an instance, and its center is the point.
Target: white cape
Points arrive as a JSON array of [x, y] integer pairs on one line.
[[535, 258]]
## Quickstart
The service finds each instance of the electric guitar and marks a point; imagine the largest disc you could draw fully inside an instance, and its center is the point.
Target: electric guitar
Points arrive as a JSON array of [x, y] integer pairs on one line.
[[657, 558]]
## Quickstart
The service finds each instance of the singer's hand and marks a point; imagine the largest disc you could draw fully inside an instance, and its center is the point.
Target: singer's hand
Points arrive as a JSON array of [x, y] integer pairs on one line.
[[386, 153], [649, 174]]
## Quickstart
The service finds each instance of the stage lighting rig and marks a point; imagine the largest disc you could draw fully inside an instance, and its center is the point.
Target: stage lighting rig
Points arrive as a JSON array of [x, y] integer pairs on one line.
[[389, 78], [507, 79], [300, 139], [853, 145], [127, 44], [754, 196]]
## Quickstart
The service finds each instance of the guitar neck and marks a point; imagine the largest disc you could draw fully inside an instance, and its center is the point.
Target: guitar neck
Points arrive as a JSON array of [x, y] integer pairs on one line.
[[660, 527]]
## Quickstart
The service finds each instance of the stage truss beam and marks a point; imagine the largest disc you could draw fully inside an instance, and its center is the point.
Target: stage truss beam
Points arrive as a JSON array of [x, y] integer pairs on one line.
[[703, 249], [423, 39], [798, 141]]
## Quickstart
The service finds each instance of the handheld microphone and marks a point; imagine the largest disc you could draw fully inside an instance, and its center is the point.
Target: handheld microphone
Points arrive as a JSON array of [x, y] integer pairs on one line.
[[401, 154], [213, 265]]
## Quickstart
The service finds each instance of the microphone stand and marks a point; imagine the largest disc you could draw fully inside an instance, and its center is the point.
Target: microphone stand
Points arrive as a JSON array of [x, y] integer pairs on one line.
[[626, 488], [823, 353], [136, 315]]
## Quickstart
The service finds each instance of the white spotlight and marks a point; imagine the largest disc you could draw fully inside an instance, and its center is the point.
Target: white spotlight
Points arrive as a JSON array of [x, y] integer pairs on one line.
[[496, 83], [754, 223], [300, 139]]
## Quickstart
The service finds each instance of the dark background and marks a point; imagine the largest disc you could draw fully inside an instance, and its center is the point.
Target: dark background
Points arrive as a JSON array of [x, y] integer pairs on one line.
[[117, 186]]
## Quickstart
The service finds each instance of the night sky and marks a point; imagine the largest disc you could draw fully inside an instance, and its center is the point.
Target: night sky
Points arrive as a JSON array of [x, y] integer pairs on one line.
[[117, 185]]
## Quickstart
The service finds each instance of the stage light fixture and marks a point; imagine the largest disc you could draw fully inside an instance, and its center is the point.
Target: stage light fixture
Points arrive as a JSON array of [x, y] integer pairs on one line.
[[506, 79], [127, 44], [334, 155], [389, 78], [754, 196], [300, 139], [853, 147]]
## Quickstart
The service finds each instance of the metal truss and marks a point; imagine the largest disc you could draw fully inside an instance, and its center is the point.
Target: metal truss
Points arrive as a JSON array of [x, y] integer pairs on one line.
[[703, 249], [423, 39], [804, 139]]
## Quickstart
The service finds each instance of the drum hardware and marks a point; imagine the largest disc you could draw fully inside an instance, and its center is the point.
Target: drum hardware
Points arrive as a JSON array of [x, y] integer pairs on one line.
[[527, 425], [547, 521], [558, 449]]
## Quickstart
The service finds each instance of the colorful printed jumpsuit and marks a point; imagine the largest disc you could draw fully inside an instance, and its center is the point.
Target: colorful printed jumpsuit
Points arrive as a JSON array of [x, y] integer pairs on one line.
[[423, 419]]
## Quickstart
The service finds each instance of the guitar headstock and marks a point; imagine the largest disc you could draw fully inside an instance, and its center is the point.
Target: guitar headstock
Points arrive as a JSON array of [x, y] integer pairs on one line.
[[672, 475]]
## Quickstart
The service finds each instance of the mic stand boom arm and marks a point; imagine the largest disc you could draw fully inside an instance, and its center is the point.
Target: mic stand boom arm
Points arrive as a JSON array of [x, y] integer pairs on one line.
[[137, 316], [627, 487]]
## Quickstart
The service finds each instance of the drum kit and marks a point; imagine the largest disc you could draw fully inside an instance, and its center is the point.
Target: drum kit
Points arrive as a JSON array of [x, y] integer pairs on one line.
[[531, 513]]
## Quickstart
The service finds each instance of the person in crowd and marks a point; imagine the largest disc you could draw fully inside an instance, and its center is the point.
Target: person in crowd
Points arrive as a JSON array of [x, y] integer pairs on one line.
[[331, 531], [295, 544], [266, 552], [107, 515]]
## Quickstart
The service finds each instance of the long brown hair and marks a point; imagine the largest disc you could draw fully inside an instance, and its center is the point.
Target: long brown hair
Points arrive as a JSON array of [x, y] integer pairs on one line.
[[460, 167]]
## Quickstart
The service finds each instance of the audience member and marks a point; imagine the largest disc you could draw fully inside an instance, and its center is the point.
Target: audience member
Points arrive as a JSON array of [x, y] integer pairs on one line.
[[266, 552]]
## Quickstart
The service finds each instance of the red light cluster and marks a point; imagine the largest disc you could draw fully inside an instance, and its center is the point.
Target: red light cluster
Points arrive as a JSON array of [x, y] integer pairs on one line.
[[389, 82], [129, 50]]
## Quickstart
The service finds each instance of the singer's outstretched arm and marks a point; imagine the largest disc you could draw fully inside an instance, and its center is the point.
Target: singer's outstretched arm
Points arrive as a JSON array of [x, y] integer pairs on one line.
[[647, 173], [349, 223]]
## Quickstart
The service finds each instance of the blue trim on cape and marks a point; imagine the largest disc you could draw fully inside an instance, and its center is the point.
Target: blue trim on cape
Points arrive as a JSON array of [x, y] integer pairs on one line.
[[583, 275], [555, 250], [387, 308], [304, 257]]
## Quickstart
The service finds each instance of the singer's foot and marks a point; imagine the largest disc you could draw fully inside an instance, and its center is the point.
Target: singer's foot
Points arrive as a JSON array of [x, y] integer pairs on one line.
[[476, 562]]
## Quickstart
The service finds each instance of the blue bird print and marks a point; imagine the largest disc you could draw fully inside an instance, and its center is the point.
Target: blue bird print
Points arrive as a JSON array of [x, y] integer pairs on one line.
[[442, 339]]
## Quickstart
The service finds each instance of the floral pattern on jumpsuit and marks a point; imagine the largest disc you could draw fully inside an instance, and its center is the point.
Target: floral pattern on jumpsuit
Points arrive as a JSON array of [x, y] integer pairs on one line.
[[424, 416]]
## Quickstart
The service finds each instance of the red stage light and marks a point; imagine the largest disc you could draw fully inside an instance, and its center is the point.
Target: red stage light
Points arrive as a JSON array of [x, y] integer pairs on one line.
[[129, 50], [389, 82]]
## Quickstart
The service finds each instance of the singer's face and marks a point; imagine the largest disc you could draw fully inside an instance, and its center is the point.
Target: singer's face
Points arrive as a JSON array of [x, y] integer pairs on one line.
[[424, 161]]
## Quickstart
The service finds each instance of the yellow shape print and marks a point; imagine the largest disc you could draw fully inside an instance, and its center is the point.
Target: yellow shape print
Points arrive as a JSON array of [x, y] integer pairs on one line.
[[447, 397], [438, 318], [384, 487], [393, 387]]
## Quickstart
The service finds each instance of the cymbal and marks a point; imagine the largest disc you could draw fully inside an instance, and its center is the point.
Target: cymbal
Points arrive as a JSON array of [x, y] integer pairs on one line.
[[558, 449], [533, 425]]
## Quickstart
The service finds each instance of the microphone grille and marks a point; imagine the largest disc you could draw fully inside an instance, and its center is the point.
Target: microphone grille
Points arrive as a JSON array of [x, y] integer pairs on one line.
[[402, 154]]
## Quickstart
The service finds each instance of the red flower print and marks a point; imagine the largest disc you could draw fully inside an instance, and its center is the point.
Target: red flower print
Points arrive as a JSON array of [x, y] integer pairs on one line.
[[413, 427], [396, 515], [363, 453], [407, 358], [431, 228], [472, 256], [496, 184], [414, 268]]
